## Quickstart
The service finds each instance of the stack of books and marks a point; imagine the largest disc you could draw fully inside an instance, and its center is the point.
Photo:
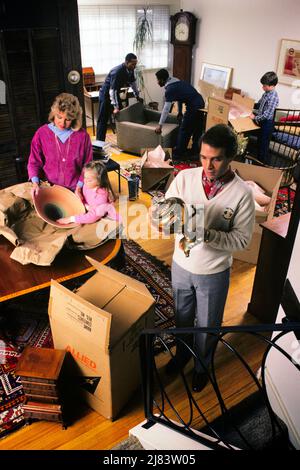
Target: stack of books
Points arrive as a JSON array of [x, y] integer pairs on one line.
[[40, 370], [101, 150]]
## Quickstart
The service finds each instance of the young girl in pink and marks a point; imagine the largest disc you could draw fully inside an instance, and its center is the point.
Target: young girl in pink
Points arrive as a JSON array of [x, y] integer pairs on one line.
[[98, 196]]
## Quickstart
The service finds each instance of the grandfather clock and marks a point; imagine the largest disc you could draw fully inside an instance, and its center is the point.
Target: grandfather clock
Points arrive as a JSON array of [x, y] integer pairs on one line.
[[183, 29]]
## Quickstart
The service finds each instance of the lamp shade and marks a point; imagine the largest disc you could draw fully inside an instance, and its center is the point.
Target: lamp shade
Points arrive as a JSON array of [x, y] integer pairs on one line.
[[54, 202]]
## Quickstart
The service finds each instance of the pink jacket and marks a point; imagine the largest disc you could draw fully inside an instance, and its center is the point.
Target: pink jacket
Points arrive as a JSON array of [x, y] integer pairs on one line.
[[57, 162], [98, 206]]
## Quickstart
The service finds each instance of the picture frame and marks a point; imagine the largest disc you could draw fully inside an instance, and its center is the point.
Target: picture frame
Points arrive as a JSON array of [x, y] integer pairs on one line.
[[217, 75], [288, 64]]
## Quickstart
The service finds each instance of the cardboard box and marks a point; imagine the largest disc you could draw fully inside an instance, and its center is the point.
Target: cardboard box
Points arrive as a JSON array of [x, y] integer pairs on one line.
[[219, 111], [88, 75], [268, 179], [208, 90], [243, 124], [100, 326], [154, 179]]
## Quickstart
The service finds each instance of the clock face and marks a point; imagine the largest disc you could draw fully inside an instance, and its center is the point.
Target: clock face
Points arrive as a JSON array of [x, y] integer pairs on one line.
[[181, 31]]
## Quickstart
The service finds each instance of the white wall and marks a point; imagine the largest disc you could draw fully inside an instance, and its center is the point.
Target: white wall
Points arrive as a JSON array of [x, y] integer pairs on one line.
[[245, 35]]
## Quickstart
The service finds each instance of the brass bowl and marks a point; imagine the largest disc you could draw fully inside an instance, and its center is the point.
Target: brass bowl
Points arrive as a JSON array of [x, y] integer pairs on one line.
[[54, 202]]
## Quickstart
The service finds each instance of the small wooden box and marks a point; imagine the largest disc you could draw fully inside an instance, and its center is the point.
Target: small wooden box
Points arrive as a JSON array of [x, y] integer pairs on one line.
[[40, 370], [88, 75]]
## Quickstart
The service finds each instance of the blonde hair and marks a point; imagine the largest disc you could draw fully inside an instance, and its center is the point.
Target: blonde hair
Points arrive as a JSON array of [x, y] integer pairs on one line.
[[69, 104]]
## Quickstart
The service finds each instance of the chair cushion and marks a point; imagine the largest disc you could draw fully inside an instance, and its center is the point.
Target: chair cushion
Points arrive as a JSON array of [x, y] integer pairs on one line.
[[291, 117], [288, 139]]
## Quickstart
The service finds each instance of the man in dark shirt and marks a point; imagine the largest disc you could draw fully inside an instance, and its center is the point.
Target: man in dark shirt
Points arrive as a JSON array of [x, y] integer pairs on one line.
[[109, 95], [191, 121]]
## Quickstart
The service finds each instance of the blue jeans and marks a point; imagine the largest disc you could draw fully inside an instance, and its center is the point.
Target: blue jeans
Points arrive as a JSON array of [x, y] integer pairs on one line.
[[199, 301], [263, 141]]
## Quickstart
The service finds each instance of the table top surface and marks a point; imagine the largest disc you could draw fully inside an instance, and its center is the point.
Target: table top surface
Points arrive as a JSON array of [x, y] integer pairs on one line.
[[16, 279], [278, 225]]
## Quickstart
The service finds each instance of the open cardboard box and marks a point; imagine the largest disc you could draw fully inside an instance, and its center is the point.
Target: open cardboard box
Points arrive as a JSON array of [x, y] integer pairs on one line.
[[208, 90], [268, 179], [100, 326], [155, 178], [219, 111]]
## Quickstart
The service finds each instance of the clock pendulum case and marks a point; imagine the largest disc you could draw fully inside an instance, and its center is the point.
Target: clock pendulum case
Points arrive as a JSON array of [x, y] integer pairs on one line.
[[183, 29]]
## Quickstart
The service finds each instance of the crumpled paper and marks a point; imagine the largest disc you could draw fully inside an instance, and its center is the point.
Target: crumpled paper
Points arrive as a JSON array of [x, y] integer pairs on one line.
[[156, 159]]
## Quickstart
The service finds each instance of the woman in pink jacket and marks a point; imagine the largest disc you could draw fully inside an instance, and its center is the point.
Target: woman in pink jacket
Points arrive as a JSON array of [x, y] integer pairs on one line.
[[98, 196], [61, 148]]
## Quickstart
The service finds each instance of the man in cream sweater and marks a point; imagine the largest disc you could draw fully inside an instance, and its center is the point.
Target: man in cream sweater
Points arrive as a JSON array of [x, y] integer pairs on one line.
[[200, 281]]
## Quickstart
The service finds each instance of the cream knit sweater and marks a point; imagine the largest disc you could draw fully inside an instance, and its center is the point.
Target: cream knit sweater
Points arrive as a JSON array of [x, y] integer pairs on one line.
[[229, 216]]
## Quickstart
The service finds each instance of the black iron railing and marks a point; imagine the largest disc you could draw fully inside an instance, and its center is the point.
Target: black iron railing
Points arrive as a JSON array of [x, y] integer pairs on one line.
[[240, 360]]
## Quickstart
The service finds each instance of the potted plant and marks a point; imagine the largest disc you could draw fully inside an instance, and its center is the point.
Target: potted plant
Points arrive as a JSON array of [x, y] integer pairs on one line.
[[143, 34], [144, 28]]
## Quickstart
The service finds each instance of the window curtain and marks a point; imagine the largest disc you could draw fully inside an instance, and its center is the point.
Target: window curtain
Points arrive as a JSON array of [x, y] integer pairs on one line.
[[107, 35]]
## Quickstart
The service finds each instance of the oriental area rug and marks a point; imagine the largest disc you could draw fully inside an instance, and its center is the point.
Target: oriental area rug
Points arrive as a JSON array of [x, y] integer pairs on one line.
[[30, 326]]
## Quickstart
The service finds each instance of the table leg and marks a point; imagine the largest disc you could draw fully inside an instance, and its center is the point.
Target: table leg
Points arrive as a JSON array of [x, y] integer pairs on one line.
[[93, 123]]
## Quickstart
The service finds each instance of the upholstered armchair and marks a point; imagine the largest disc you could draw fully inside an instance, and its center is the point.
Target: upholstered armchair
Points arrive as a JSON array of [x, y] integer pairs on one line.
[[135, 129]]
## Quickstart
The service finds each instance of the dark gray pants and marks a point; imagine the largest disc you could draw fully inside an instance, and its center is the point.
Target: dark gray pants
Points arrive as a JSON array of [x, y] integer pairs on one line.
[[199, 301]]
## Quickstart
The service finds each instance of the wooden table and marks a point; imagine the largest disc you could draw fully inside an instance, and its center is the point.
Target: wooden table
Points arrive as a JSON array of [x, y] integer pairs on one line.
[[92, 97], [17, 279]]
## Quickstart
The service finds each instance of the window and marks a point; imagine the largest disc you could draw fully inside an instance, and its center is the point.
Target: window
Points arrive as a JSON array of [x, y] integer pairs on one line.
[[107, 34]]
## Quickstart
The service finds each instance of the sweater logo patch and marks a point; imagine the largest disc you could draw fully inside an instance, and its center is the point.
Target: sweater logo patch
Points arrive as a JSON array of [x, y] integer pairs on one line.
[[228, 213]]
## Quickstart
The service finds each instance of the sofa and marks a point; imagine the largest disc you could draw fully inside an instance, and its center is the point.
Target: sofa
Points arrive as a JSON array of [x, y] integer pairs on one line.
[[135, 127]]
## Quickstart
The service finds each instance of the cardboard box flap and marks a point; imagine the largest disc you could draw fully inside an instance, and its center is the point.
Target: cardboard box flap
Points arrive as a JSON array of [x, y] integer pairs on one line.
[[244, 101], [217, 113], [219, 106], [99, 290], [121, 278], [243, 124], [207, 90], [78, 314], [266, 178], [126, 309]]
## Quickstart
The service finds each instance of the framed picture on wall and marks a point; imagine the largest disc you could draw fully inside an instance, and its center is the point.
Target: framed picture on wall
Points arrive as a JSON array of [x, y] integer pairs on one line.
[[216, 75], [288, 66]]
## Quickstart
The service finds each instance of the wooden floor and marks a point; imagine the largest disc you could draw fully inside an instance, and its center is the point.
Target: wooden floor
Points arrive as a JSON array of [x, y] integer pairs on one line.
[[92, 431]]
